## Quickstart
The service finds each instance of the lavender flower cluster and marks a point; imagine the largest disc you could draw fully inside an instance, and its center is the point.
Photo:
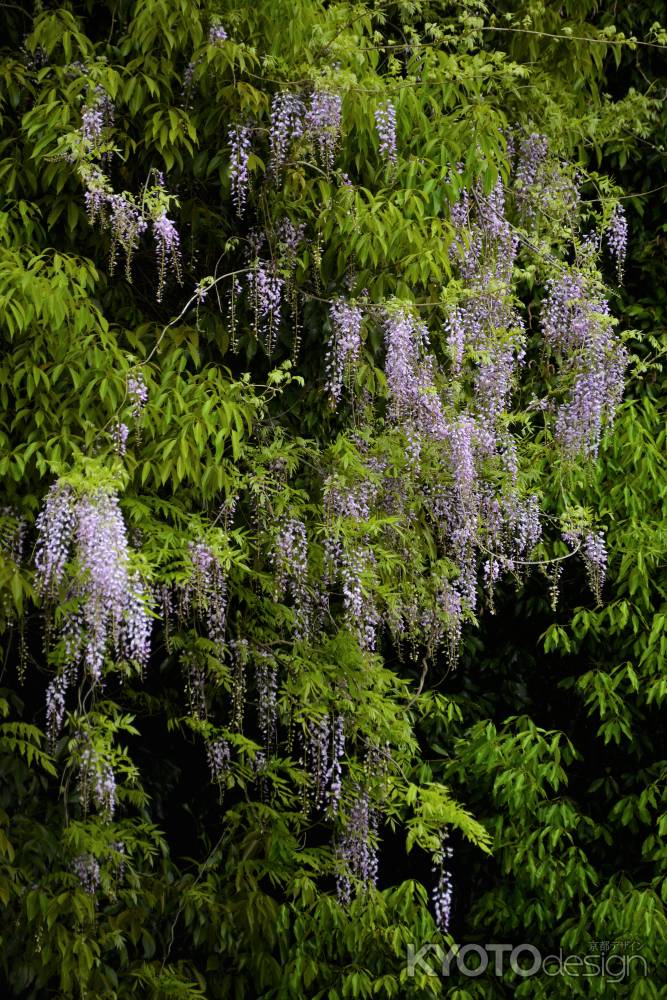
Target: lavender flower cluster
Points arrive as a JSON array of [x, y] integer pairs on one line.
[[617, 238], [290, 559], [442, 893], [87, 869], [265, 289], [324, 749], [82, 550], [218, 755], [205, 591], [240, 140], [577, 325], [167, 245], [385, 123], [97, 781], [344, 346], [287, 124], [323, 121], [357, 846]]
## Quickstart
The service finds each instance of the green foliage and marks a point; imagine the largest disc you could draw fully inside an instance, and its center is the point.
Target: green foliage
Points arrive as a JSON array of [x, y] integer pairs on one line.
[[540, 753]]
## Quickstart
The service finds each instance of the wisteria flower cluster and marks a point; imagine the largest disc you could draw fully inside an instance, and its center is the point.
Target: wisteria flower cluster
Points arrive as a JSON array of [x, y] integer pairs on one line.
[[265, 290], [205, 591], [82, 552], [287, 124], [291, 563], [87, 869], [240, 142], [323, 120], [385, 123], [617, 238], [577, 325], [97, 781], [357, 846], [442, 893], [324, 749], [344, 346]]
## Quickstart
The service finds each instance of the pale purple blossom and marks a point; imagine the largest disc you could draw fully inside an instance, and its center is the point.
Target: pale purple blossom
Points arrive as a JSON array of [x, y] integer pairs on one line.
[[385, 123], [240, 139], [344, 345]]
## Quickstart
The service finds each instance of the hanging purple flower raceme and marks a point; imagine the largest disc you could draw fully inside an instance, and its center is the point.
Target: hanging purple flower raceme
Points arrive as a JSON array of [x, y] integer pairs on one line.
[[361, 615], [218, 755], [287, 121], [127, 225], [120, 435], [167, 248], [97, 782], [266, 679], [97, 194], [137, 392], [595, 557], [55, 525], [317, 743], [55, 708], [111, 612], [113, 609], [335, 772], [217, 34], [357, 848], [577, 325], [385, 123], [617, 238], [414, 399], [206, 590], [442, 893], [290, 558], [323, 123], [450, 605], [344, 346], [532, 156], [87, 870], [354, 560], [95, 118], [266, 295], [456, 339], [240, 141]]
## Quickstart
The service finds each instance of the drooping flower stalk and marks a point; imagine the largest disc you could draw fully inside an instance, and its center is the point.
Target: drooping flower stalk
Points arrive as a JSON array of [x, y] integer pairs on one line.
[[240, 138], [442, 893], [82, 543], [290, 559], [287, 121], [87, 870], [617, 238], [167, 245], [344, 346], [323, 122], [357, 848], [385, 123]]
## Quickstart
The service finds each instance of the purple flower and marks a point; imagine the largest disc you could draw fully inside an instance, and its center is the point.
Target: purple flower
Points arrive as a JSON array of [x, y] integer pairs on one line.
[[86, 535], [385, 123], [137, 392], [240, 145], [266, 291], [617, 238], [216, 34], [323, 123], [344, 346], [87, 870], [167, 246], [287, 121]]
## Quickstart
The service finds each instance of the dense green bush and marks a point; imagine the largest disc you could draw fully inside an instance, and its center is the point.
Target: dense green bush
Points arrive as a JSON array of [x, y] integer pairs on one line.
[[285, 659]]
